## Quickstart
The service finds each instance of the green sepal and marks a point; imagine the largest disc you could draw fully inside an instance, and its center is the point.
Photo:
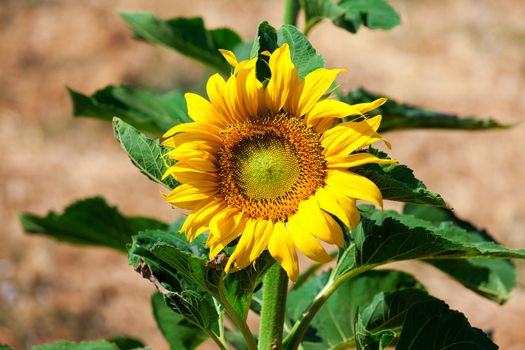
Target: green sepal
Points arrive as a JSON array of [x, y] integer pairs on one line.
[[400, 116], [89, 222], [187, 36]]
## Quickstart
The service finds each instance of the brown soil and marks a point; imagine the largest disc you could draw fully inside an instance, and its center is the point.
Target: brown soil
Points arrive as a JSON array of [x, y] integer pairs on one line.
[[454, 56]]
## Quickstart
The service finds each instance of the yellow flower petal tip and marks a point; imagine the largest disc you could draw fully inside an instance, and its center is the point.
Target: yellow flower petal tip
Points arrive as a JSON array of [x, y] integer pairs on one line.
[[264, 166]]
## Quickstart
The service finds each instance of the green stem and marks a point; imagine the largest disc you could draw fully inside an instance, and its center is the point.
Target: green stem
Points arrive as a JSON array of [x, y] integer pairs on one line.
[[293, 340], [275, 290], [241, 326], [291, 11]]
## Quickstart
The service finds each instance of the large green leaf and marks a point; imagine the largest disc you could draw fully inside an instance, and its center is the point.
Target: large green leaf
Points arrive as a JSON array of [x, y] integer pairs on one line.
[[302, 52], [400, 116], [145, 153], [179, 333], [351, 14], [92, 222], [424, 321], [187, 36], [5, 347], [333, 323], [493, 279], [126, 343], [397, 182], [142, 108]]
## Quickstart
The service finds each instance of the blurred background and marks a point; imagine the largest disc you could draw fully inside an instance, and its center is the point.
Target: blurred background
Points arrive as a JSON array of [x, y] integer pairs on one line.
[[464, 56]]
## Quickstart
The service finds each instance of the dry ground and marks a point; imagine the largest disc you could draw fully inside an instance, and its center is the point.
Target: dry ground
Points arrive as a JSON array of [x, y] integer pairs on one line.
[[463, 56]]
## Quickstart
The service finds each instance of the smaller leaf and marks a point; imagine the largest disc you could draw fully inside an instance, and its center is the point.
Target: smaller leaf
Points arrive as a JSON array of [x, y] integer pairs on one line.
[[400, 116], [145, 153], [5, 347], [397, 182], [188, 36], [303, 54], [92, 222], [144, 109]]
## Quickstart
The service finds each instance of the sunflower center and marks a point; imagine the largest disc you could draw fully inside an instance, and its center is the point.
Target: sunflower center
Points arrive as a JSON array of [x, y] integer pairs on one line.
[[269, 164], [266, 166]]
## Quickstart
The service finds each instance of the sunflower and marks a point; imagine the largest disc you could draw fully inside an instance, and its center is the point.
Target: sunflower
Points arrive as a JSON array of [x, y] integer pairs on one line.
[[262, 162]]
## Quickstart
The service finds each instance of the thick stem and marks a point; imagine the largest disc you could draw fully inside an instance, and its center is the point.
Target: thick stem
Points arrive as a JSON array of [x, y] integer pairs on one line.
[[291, 10], [275, 290]]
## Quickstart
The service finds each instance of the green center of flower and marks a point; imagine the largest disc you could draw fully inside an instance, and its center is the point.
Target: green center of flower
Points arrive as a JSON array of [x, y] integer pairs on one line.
[[269, 164], [267, 167]]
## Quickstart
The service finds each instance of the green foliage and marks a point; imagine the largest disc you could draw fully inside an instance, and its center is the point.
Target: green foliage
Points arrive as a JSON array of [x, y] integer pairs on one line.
[[351, 14], [145, 153], [126, 343], [142, 108], [397, 182], [400, 116], [5, 347], [303, 54], [425, 322], [188, 36], [91, 222], [179, 333], [493, 279]]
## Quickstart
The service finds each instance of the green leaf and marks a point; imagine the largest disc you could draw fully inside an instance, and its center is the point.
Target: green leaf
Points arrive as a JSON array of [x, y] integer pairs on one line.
[[145, 153], [400, 116], [351, 14], [179, 333], [333, 322], [425, 322], [188, 36], [303, 54], [493, 279], [91, 222], [142, 108], [397, 182], [5, 347], [126, 343], [87, 345], [391, 236]]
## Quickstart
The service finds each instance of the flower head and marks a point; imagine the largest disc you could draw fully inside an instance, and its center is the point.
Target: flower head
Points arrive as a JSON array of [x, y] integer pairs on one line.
[[266, 165]]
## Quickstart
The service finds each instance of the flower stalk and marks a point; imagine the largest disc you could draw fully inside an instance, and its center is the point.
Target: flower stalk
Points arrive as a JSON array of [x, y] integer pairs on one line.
[[291, 11], [275, 290]]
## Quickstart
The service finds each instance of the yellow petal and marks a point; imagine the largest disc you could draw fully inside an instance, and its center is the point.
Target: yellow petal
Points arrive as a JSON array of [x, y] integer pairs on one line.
[[348, 205], [354, 186], [345, 138], [202, 111], [319, 224], [278, 87], [315, 85], [242, 251], [282, 248], [186, 196], [307, 243], [330, 109], [224, 230], [193, 127], [179, 139], [368, 106], [345, 162], [329, 203], [230, 57], [216, 90]]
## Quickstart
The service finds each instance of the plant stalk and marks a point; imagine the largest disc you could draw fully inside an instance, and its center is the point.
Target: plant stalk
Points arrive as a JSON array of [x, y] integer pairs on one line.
[[291, 11], [275, 290]]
